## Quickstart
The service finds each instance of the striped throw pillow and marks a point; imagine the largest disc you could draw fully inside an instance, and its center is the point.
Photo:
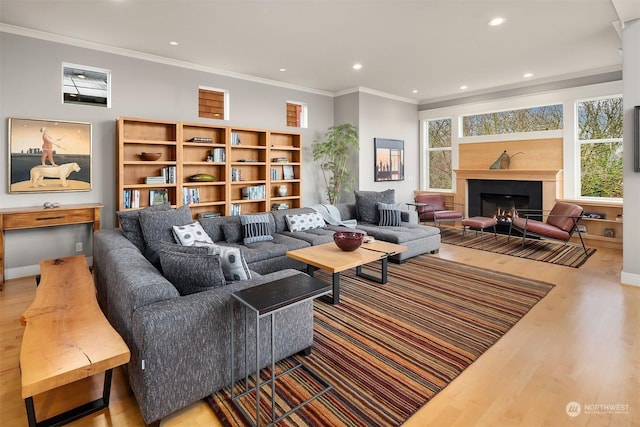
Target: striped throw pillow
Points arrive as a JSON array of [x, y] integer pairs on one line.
[[255, 228], [389, 214]]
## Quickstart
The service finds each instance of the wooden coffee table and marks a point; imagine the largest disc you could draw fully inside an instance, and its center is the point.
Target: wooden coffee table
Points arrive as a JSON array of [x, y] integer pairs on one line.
[[333, 259]]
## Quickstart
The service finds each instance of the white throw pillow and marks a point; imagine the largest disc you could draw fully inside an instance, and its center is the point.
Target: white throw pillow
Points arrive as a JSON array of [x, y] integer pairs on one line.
[[234, 266], [188, 235], [306, 221]]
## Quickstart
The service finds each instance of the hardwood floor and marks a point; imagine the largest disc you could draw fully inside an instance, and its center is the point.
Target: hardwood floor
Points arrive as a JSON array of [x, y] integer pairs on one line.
[[580, 344]]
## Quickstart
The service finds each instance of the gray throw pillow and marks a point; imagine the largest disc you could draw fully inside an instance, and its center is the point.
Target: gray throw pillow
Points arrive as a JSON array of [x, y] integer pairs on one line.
[[255, 228], [157, 227], [191, 273], [130, 223], [367, 204], [389, 214], [232, 232]]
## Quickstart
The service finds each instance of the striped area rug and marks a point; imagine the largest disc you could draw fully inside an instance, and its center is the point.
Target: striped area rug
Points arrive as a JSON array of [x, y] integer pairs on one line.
[[388, 349], [555, 252]]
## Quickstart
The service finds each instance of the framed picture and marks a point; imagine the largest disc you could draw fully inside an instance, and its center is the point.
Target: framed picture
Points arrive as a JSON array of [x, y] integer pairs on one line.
[[49, 156], [636, 137], [389, 159], [287, 172], [158, 197], [84, 85]]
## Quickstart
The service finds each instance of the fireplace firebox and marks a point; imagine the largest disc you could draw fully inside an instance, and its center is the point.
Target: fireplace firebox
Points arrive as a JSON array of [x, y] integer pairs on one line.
[[502, 199]]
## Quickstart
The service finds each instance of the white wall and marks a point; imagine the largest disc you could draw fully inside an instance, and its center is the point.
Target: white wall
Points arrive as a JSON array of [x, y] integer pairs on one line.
[[382, 117], [631, 232], [30, 87]]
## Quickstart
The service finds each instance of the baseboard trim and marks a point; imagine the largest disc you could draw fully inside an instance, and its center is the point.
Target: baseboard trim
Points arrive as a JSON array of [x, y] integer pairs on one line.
[[630, 279]]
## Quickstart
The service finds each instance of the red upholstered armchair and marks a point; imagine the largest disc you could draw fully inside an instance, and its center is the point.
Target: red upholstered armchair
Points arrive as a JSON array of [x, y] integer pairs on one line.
[[561, 223], [435, 210]]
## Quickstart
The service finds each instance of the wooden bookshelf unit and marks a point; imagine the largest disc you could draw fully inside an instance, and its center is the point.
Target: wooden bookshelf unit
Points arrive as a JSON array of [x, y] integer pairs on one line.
[[216, 169]]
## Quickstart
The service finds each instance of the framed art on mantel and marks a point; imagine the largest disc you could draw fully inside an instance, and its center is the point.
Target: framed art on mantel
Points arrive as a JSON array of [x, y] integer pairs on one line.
[[389, 159], [49, 156]]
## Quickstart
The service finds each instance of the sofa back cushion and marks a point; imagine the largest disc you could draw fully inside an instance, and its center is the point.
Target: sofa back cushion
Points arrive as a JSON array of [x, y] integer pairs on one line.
[[367, 204], [191, 273], [130, 223], [157, 227]]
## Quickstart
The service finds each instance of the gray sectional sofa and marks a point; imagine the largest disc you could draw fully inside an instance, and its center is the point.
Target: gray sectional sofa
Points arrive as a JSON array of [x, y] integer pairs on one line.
[[180, 344]]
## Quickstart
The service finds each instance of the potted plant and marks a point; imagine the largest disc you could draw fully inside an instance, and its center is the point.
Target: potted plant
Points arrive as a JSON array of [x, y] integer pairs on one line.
[[333, 155]]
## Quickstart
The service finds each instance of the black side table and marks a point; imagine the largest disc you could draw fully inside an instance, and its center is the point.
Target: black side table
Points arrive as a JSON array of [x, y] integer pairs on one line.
[[265, 301]]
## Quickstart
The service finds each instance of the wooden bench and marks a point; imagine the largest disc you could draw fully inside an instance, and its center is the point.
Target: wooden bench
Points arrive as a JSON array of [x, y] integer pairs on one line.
[[67, 338]]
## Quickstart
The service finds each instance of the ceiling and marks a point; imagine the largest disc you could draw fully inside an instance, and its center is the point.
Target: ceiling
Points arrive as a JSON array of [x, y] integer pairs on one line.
[[431, 46]]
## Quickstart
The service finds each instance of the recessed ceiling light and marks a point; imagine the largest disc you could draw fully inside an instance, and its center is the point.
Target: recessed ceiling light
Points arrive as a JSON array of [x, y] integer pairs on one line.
[[357, 66], [283, 69], [415, 91], [173, 43], [496, 21], [463, 87], [527, 75]]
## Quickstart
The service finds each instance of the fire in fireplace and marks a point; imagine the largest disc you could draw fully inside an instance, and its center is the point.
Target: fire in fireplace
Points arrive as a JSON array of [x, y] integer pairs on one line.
[[503, 207]]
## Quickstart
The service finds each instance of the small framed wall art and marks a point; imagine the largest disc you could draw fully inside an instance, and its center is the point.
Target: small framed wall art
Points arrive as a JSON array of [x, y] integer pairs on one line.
[[49, 156], [389, 159]]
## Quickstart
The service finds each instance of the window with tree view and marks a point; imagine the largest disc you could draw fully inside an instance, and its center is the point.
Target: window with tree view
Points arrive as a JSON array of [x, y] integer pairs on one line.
[[534, 119], [600, 140], [439, 152]]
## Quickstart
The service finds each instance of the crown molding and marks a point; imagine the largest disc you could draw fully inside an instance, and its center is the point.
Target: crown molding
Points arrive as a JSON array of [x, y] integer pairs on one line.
[[27, 32], [362, 89]]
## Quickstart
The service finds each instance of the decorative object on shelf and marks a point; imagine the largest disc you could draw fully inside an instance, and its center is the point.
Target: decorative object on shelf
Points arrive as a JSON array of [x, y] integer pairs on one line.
[[158, 197], [150, 157], [283, 190], [202, 177], [609, 232], [199, 139], [57, 150], [287, 172], [333, 153], [389, 159], [51, 205], [348, 240], [504, 161]]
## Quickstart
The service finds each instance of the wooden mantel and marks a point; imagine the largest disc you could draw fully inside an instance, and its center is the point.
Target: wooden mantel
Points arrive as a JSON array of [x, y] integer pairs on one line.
[[552, 181]]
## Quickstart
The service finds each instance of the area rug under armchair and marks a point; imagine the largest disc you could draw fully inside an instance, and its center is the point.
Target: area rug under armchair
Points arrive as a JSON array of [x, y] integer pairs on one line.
[[388, 349]]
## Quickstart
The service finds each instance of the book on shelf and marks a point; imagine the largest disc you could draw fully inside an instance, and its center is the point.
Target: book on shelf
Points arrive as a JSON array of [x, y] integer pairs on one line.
[[235, 138], [254, 192], [155, 180], [236, 209], [279, 206], [199, 139], [236, 174], [203, 215], [218, 154], [169, 174], [158, 197], [275, 174], [131, 199], [190, 195], [280, 160]]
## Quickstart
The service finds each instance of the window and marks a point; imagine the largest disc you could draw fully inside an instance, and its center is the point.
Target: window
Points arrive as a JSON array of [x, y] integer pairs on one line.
[[438, 134], [599, 124], [213, 103], [296, 114], [547, 117]]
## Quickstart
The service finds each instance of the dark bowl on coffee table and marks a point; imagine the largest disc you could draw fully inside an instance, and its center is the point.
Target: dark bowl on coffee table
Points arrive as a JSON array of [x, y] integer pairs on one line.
[[348, 240]]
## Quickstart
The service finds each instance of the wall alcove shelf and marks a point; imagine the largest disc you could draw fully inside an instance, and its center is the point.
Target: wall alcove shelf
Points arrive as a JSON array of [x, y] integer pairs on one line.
[[247, 165]]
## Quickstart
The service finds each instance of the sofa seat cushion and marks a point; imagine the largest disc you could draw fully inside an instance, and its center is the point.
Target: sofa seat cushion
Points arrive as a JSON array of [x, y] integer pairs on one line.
[[401, 234], [319, 236], [260, 251]]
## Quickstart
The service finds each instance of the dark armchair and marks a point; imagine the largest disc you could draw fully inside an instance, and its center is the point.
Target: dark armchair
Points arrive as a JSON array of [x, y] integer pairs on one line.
[[560, 224], [431, 207]]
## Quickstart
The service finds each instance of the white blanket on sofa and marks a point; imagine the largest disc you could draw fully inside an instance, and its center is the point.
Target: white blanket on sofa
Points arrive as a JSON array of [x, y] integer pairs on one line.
[[331, 215]]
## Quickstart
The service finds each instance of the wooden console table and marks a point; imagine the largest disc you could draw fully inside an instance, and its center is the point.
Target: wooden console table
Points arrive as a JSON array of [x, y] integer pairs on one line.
[[38, 216], [67, 338]]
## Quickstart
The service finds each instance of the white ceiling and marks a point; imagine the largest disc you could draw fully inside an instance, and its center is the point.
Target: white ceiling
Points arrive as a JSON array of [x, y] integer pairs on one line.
[[433, 46]]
